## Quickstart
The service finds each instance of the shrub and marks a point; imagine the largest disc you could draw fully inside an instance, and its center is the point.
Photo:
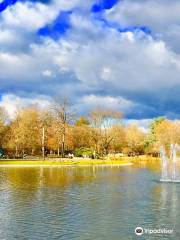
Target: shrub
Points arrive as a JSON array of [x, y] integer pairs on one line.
[[53, 156], [80, 152]]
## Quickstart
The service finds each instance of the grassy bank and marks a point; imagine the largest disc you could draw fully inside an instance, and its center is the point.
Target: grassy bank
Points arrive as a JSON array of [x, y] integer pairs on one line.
[[63, 162], [79, 162], [143, 158]]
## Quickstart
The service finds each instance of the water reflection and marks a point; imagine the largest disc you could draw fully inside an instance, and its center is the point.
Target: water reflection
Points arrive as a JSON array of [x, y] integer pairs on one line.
[[167, 204], [85, 202]]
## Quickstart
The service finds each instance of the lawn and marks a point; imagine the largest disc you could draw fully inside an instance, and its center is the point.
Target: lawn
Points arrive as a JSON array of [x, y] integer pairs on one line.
[[62, 162]]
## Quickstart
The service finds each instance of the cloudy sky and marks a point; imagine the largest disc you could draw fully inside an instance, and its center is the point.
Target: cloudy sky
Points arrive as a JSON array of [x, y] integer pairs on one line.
[[122, 54]]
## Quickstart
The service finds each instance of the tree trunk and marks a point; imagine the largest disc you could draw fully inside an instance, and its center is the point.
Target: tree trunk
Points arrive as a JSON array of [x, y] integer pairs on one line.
[[106, 150], [16, 151], [63, 139], [43, 143], [32, 151], [63, 145]]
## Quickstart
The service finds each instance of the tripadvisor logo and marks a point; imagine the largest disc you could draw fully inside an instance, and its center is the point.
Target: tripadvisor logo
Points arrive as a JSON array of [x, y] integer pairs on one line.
[[139, 231]]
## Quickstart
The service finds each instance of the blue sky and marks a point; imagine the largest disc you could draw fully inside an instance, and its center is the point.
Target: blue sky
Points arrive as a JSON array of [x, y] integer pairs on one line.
[[120, 54]]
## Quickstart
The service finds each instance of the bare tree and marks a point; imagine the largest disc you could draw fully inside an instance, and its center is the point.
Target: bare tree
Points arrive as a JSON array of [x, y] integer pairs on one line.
[[64, 115]]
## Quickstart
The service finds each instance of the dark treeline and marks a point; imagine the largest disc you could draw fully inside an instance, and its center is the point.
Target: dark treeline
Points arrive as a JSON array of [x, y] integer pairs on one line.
[[58, 131]]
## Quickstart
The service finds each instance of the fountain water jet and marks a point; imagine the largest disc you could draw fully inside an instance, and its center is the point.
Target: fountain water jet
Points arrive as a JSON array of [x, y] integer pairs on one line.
[[170, 171]]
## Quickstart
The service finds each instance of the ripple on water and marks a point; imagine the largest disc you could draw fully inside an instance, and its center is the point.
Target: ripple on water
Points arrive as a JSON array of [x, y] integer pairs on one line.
[[85, 203]]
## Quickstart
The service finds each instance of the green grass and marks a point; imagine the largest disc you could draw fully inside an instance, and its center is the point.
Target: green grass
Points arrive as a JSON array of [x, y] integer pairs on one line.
[[64, 162]]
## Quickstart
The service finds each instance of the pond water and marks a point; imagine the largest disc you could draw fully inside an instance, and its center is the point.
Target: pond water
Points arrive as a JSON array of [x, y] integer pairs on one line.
[[86, 203]]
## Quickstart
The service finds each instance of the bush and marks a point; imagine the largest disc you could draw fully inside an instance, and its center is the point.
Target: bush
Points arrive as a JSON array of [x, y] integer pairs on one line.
[[81, 152], [1, 153], [53, 156]]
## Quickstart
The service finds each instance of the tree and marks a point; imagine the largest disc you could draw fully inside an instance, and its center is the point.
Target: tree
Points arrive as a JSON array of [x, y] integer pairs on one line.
[[153, 127], [24, 132], [102, 121], [135, 140], [165, 133], [151, 138], [119, 138], [3, 126], [46, 121], [82, 121], [81, 133], [81, 136], [53, 140], [176, 131], [64, 116]]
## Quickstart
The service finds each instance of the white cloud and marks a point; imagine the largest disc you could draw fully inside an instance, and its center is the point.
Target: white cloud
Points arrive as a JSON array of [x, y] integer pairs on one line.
[[115, 59], [12, 103], [47, 73], [117, 103], [5, 36], [29, 16], [106, 73], [32, 16], [143, 124], [153, 13], [93, 63], [161, 17]]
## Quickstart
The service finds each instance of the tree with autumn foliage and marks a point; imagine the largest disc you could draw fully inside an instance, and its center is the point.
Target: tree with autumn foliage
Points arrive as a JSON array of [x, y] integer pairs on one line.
[[135, 140], [102, 120], [56, 131], [24, 133], [64, 116]]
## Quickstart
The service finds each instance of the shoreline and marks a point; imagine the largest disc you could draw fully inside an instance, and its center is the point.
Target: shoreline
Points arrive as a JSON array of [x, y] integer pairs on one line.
[[63, 163], [124, 161]]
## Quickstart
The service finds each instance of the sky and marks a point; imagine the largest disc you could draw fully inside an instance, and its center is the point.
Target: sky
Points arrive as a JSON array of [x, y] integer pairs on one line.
[[121, 54]]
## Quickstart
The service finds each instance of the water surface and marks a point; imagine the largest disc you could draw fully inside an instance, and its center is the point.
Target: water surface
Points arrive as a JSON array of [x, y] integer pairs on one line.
[[86, 203]]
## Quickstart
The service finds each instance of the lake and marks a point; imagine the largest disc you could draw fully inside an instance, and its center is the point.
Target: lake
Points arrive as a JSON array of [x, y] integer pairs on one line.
[[85, 203]]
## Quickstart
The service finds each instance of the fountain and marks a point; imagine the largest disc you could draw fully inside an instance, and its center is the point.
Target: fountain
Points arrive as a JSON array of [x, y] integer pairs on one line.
[[170, 171]]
